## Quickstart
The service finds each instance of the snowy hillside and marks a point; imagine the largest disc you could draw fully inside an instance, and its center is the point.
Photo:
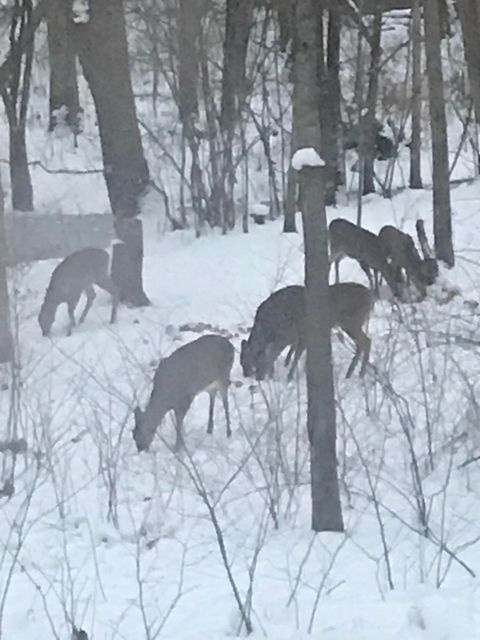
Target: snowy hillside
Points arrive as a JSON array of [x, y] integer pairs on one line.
[[137, 545]]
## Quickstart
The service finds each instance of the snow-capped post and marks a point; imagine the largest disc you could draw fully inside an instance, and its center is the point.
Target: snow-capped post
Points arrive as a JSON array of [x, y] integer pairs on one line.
[[326, 508]]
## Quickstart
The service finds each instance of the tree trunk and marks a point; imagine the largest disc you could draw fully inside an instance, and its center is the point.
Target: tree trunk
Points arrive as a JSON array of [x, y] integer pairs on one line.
[[334, 104], [442, 218], [415, 143], [369, 125], [327, 112], [64, 99], [188, 35], [469, 20], [6, 342], [104, 39], [239, 15], [326, 508], [21, 183], [15, 95]]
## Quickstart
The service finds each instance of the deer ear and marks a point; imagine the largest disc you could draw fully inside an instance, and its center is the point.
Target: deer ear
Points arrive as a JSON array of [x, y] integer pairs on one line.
[[138, 414]]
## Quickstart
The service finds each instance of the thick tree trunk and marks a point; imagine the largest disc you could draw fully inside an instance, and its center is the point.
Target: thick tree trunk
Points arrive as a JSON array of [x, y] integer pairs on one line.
[[239, 14], [369, 124], [415, 143], [64, 100], [470, 21], [15, 95], [104, 39], [326, 107], [334, 104], [6, 342], [442, 216], [21, 182], [326, 509]]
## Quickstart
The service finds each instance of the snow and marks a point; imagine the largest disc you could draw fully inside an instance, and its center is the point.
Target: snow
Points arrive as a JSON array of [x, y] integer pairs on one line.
[[115, 541], [306, 157], [76, 401]]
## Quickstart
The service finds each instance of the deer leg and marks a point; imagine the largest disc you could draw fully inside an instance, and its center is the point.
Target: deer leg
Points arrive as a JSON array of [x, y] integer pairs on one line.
[[91, 295], [180, 413], [362, 345], [71, 314], [366, 269], [298, 352], [224, 394], [337, 270], [211, 408], [290, 353], [107, 284], [366, 345]]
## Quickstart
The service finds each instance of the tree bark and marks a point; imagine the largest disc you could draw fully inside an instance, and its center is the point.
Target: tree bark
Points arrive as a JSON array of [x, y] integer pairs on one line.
[[415, 143], [15, 95], [369, 124], [470, 22], [20, 180], [327, 108], [334, 104], [63, 73], [6, 342], [239, 15], [326, 508], [102, 47], [442, 217]]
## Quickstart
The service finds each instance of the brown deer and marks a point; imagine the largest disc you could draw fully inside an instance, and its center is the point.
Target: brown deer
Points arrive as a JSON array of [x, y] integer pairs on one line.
[[77, 274], [280, 322], [400, 250], [202, 365], [348, 239]]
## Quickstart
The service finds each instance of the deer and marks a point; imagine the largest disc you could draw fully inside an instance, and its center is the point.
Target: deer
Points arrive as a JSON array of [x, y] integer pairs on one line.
[[77, 274], [348, 239], [400, 250], [280, 322], [201, 365]]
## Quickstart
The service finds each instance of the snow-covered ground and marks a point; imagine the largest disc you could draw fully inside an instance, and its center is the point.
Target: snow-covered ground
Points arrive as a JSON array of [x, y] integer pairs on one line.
[[130, 545]]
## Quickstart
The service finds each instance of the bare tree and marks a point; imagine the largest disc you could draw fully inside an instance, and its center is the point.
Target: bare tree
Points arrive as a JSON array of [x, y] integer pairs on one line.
[[326, 508], [368, 123], [415, 143], [6, 342], [63, 73], [470, 22], [239, 14], [442, 216], [15, 94], [102, 47]]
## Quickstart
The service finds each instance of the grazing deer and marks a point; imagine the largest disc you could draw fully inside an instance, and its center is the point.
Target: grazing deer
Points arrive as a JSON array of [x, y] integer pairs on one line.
[[280, 322], [400, 250], [77, 274], [201, 365], [347, 239]]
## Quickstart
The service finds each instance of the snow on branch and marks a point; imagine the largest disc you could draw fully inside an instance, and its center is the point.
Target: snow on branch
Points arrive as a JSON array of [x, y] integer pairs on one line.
[[306, 157]]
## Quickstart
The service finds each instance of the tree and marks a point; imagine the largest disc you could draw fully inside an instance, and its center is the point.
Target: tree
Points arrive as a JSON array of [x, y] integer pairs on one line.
[[415, 143], [15, 95], [368, 124], [64, 99], [239, 14], [469, 14], [442, 216], [102, 48], [6, 342], [326, 509]]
